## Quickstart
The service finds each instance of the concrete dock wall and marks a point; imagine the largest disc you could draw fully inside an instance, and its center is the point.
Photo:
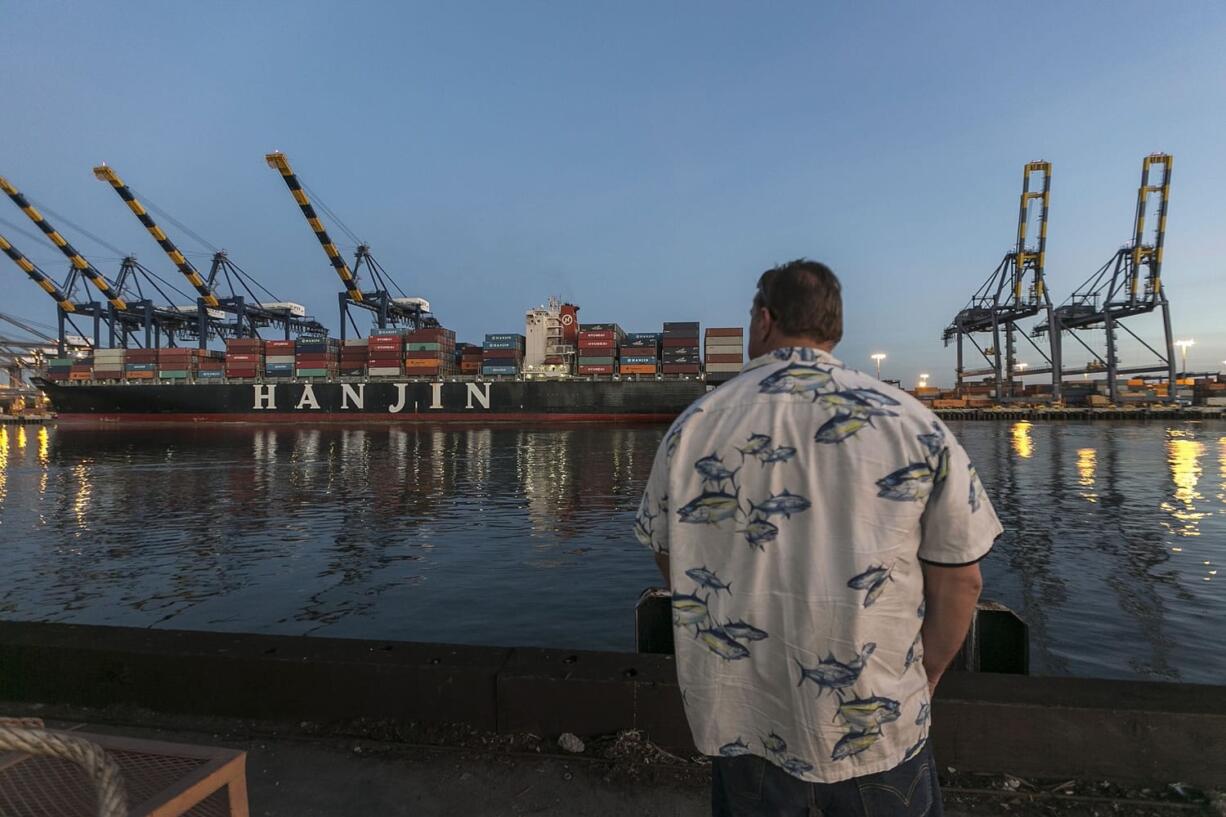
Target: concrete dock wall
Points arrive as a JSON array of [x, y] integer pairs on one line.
[[1058, 727]]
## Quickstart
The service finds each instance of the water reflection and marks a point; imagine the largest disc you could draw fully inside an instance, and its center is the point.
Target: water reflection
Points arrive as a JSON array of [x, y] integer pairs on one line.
[[1183, 459], [522, 535], [1023, 442], [1087, 465], [4, 462]]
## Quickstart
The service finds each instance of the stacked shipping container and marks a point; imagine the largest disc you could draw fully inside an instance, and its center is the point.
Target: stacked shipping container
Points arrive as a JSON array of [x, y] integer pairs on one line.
[[212, 366], [178, 364], [469, 357], [502, 354], [680, 353], [429, 352], [59, 368], [279, 357], [140, 364], [385, 353], [598, 345], [724, 353], [108, 364], [316, 357], [82, 369], [354, 357], [244, 357], [639, 354]]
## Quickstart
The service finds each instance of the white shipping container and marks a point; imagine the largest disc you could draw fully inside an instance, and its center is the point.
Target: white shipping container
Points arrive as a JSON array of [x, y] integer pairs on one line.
[[717, 368], [384, 371], [279, 359]]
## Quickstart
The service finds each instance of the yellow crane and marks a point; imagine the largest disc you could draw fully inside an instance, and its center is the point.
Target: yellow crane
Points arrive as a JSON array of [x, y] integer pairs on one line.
[[278, 162], [189, 271], [78, 262]]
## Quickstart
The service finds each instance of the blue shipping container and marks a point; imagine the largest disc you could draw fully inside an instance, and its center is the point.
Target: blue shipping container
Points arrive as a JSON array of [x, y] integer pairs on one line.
[[639, 359], [503, 344], [499, 370]]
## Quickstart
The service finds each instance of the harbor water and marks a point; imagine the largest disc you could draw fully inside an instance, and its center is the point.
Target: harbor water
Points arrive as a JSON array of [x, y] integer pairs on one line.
[[1114, 533]]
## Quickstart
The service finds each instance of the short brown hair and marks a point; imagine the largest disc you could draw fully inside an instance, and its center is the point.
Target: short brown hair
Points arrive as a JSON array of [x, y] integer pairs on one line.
[[805, 299]]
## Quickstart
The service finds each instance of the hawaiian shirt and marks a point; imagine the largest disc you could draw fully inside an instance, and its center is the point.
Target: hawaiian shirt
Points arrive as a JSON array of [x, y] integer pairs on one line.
[[795, 504]]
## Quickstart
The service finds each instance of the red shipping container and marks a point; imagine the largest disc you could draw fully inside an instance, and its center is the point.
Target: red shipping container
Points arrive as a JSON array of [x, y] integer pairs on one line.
[[680, 368], [734, 332], [670, 343], [725, 358], [596, 336], [243, 358], [279, 347], [590, 369]]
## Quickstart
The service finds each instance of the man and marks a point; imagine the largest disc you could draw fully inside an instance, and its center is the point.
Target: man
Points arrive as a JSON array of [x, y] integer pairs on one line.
[[821, 534]]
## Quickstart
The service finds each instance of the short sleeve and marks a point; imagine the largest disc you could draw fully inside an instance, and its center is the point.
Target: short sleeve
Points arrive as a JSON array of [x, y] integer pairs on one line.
[[959, 525], [651, 521]]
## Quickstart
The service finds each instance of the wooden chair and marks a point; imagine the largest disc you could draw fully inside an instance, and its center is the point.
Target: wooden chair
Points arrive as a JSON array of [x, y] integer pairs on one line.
[[48, 773]]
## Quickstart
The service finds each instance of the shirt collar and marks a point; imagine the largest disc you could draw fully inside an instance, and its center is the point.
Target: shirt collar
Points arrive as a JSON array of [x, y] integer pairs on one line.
[[793, 354]]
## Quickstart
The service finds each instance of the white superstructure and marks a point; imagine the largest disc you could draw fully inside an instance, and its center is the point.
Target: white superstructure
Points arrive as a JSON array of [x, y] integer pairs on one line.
[[546, 351]]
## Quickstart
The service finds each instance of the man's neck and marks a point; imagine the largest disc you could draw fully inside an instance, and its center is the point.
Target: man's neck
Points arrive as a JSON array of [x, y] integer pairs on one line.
[[801, 343]]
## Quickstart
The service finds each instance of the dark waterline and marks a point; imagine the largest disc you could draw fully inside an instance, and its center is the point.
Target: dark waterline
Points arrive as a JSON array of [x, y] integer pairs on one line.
[[521, 536]]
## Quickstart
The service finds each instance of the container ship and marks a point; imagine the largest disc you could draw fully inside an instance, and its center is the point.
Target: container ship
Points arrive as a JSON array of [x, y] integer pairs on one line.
[[557, 369], [408, 367]]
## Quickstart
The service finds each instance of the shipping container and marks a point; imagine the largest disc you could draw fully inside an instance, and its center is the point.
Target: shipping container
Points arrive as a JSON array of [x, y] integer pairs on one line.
[[594, 369], [636, 368]]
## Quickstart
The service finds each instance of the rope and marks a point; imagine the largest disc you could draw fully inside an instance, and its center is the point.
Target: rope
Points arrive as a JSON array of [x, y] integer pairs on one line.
[[25, 735]]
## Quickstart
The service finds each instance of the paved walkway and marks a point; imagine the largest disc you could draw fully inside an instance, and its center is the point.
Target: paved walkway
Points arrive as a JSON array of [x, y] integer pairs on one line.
[[300, 773]]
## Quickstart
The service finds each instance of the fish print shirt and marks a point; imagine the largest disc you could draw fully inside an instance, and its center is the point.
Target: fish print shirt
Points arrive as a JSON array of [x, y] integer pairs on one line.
[[795, 504]]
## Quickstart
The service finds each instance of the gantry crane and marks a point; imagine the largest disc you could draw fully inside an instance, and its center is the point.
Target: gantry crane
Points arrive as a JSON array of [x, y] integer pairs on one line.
[[1016, 290], [124, 317], [19, 354], [389, 310], [1116, 291], [65, 306], [250, 315]]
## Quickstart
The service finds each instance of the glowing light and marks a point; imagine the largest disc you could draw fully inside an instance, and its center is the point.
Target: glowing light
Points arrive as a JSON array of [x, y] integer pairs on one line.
[[44, 446], [877, 358], [1183, 350], [1183, 459], [1087, 466], [1023, 443]]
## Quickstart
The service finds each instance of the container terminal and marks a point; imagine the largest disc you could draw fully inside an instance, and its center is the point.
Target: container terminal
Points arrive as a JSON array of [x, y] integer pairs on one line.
[[124, 350]]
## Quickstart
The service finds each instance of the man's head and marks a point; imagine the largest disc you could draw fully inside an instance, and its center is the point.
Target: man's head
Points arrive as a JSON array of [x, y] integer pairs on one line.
[[799, 303]]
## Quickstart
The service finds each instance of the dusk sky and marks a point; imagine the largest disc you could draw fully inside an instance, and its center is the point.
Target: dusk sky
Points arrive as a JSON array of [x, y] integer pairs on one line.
[[643, 160]]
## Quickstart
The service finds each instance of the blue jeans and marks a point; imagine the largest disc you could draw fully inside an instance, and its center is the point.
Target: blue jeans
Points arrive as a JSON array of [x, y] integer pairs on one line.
[[750, 786]]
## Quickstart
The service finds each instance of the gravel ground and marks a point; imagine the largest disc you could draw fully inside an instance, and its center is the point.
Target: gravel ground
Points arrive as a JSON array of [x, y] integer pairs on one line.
[[378, 768]]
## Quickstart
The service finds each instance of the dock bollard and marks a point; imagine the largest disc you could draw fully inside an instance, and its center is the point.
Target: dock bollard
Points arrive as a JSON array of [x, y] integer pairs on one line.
[[998, 641]]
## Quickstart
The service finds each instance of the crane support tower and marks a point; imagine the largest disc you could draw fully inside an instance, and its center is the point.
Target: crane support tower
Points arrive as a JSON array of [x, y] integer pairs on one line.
[[249, 314], [1016, 290], [1129, 284], [124, 317], [388, 309]]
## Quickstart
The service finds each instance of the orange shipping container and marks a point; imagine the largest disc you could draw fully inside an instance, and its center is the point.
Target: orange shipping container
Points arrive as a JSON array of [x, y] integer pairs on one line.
[[638, 368], [418, 363]]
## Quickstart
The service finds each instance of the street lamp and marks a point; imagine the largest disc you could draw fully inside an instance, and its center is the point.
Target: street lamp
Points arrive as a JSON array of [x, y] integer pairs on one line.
[[1183, 348], [878, 357], [1021, 367]]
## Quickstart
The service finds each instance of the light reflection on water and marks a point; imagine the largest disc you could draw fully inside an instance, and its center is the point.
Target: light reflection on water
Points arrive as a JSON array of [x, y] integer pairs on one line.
[[522, 535]]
